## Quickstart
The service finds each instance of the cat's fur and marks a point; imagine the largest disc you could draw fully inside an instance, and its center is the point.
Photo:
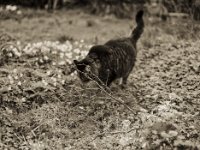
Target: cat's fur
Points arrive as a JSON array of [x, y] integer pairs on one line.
[[115, 59]]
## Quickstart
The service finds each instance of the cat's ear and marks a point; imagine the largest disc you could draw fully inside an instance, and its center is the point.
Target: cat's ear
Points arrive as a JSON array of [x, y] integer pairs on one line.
[[80, 65], [76, 62], [72, 67]]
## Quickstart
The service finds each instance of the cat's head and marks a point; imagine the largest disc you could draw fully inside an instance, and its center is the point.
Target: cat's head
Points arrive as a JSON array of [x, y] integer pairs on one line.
[[88, 68]]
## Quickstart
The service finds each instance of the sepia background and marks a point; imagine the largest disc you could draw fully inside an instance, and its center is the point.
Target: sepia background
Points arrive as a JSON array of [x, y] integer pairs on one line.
[[42, 106]]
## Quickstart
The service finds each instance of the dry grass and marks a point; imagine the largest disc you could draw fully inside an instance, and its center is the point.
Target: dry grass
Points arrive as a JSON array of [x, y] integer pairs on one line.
[[42, 107]]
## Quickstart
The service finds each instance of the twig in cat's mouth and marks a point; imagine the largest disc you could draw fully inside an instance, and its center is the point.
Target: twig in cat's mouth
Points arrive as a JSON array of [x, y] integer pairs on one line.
[[108, 92]]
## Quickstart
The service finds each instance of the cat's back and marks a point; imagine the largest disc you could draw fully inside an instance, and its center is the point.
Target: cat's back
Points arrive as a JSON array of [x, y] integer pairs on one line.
[[122, 46], [119, 42]]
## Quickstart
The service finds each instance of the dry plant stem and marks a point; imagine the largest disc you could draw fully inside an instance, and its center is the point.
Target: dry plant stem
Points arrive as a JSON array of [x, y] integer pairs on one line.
[[8, 35], [116, 132], [33, 131], [104, 88], [9, 44], [25, 139], [92, 119], [18, 137]]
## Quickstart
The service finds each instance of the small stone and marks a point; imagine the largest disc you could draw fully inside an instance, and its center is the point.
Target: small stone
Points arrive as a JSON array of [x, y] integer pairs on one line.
[[164, 134], [173, 133]]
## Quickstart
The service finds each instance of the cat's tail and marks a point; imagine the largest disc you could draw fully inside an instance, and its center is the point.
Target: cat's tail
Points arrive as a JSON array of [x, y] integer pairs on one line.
[[136, 33]]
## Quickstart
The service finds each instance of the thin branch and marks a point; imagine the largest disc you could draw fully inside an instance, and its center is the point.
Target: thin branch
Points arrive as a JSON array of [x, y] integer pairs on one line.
[[116, 132], [108, 92], [9, 44]]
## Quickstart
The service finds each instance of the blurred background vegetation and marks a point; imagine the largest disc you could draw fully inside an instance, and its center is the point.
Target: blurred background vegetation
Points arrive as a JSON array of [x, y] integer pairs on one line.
[[120, 8]]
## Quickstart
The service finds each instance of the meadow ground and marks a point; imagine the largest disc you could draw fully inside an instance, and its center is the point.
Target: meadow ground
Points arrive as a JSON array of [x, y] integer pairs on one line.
[[43, 107]]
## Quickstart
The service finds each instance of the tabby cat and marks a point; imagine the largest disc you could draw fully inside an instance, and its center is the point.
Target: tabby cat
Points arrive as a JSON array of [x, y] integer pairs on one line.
[[115, 59]]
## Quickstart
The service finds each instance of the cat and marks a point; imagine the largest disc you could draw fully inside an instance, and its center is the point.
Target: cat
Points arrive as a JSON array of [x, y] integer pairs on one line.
[[112, 60]]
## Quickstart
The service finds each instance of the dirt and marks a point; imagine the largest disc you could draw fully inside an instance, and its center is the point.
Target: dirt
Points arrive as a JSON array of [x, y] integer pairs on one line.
[[44, 107]]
